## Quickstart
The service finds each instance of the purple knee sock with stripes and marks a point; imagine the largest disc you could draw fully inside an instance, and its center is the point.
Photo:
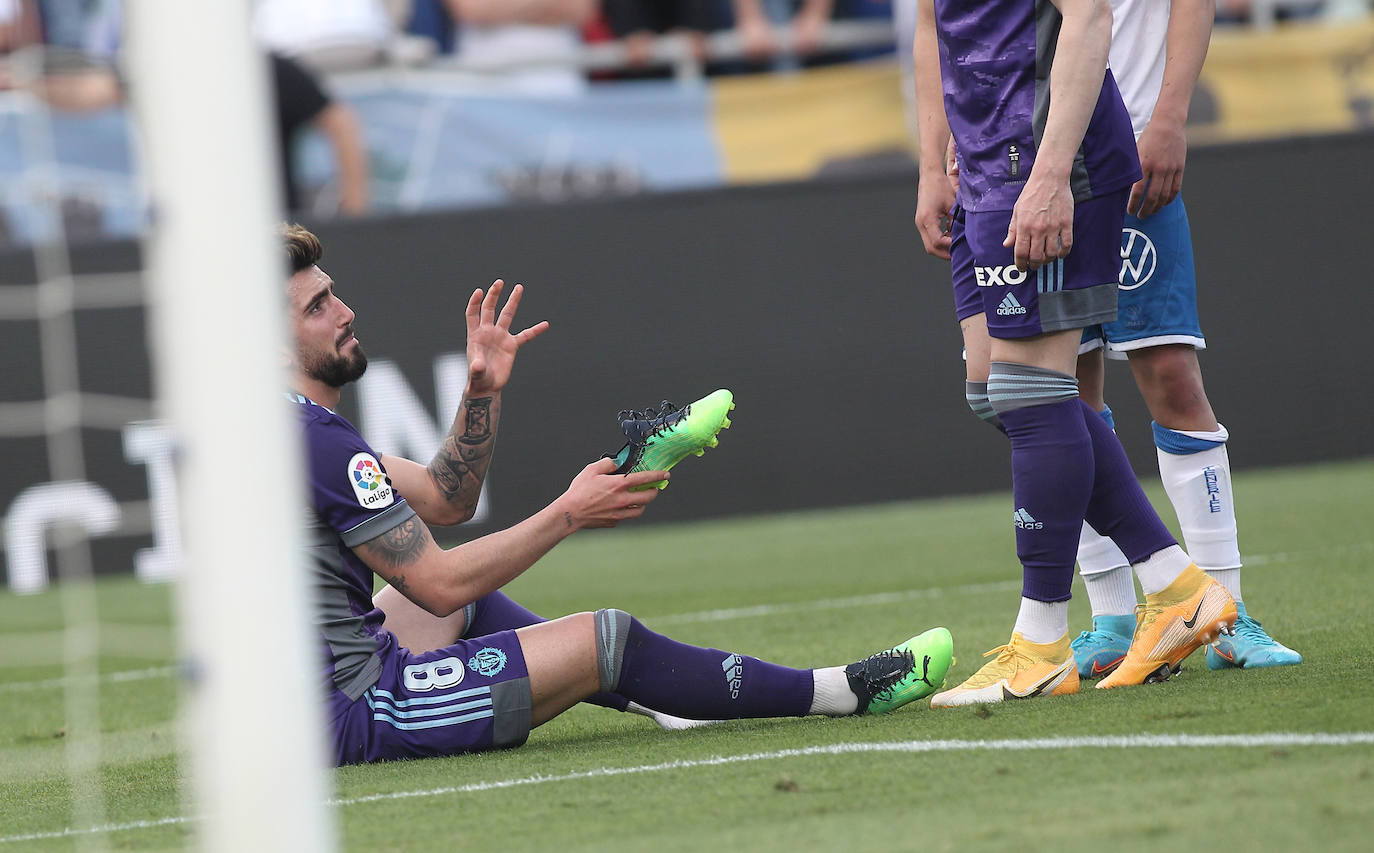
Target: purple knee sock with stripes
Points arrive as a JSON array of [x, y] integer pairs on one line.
[[1051, 480], [500, 612], [707, 684], [1051, 472]]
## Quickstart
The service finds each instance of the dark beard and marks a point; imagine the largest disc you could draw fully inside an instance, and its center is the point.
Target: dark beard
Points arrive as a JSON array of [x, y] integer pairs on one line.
[[337, 371]]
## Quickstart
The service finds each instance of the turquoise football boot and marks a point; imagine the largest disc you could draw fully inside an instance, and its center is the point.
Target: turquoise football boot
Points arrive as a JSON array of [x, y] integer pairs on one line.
[[1248, 646], [1101, 650]]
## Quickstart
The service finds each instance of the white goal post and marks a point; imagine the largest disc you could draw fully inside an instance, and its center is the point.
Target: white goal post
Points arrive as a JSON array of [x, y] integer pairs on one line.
[[199, 91]]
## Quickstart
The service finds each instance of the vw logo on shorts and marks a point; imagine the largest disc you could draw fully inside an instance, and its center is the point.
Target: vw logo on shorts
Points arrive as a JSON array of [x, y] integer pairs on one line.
[[1138, 259]]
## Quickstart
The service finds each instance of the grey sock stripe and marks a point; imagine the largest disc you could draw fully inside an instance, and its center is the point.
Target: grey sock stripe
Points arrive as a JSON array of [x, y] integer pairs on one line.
[[1017, 386], [612, 632], [977, 395]]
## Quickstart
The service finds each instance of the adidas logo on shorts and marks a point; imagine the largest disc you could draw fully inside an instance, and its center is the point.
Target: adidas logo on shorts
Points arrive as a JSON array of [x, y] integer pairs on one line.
[[1010, 306]]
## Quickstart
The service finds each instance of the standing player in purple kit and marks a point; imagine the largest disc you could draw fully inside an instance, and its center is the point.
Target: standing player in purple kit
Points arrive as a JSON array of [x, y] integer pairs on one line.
[[1046, 161], [1157, 52], [491, 670]]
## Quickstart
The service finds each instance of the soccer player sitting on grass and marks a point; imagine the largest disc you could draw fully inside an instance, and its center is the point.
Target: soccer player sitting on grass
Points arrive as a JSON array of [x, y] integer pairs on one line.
[[441, 662]]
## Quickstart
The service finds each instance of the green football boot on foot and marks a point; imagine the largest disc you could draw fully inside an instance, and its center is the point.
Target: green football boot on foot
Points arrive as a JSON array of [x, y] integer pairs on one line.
[[658, 440], [895, 677]]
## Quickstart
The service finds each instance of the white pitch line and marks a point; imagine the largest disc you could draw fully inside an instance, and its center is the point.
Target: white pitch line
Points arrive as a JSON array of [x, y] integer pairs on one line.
[[1276, 739], [1272, 739], [669, 619], [877, 598], [1294, 556], [105, 678], [727, 614], [97, 830]]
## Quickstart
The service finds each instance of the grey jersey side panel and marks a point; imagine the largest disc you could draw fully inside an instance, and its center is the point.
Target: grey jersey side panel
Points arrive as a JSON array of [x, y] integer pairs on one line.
[[1047, 22], [353, 649]]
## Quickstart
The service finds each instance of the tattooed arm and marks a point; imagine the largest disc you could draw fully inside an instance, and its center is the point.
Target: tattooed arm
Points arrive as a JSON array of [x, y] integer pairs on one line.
[[442, 581], [460, 466], [446, 491], [397, 552]]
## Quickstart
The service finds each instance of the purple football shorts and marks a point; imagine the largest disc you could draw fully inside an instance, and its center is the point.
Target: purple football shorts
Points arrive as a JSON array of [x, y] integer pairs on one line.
[[468, 697], [1067, 293]]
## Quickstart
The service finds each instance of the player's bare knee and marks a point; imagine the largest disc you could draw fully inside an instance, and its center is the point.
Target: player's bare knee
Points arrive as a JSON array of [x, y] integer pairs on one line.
[[612, 632], [1170, 380], [1092, 375]]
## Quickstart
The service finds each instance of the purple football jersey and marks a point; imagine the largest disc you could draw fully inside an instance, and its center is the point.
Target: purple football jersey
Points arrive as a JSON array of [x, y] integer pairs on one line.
[[995, 60], [351, 502]]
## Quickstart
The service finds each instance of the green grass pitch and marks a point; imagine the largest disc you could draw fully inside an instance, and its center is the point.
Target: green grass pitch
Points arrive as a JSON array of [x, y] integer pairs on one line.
[[804, 589]]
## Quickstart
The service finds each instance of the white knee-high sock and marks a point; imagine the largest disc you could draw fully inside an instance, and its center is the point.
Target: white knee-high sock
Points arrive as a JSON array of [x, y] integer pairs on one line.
[[1196, 473], [1106, 572]]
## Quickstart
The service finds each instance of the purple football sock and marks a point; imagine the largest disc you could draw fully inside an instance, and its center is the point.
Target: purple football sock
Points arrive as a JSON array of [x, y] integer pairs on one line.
[[1051, 481], [1119, 509], [708, 684], [500, 612]]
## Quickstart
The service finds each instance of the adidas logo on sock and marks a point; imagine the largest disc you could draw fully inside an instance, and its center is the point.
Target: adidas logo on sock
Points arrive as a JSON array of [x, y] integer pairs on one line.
[[733, 666], [1025, 520], [1010, 306]]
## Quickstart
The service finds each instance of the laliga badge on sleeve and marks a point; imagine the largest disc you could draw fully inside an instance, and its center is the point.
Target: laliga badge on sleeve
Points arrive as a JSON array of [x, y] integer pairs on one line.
[[370, 485]]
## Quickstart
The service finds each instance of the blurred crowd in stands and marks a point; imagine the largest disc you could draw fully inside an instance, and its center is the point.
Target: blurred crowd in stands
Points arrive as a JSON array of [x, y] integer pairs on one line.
[[67, 51], [338, 35]]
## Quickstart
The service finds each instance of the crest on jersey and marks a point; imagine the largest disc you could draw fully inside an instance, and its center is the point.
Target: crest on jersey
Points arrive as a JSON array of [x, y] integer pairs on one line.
[[488, 662], [370, 485]]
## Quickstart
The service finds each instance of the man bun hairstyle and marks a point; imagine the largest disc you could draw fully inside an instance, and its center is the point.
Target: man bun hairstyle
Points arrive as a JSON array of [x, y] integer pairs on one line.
[[303, 249]]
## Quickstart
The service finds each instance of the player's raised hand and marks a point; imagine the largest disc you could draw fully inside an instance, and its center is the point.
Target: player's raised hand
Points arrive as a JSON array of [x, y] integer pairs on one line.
[[599, 497], [1041, 227], [491, 345], [1163, 148]]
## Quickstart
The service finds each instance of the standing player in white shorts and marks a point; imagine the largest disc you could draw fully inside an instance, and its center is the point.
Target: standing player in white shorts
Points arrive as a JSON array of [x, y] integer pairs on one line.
[[1157, 52]]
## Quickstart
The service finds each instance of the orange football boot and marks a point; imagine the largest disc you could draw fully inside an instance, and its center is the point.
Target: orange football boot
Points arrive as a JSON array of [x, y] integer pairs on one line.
[[1173, 623]]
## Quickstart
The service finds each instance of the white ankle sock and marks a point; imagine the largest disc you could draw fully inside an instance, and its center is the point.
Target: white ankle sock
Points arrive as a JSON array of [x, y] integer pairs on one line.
[[1042, 621], [831, 694], [1229, 578], [1111, 593], [1161, 569]]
